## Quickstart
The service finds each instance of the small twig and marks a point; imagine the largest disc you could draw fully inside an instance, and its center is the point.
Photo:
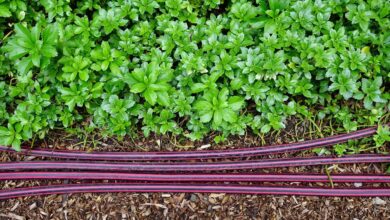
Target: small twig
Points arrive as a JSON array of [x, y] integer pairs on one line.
[[329, 177], [262, 139], [65, 196], [33, 141], [6, 36]]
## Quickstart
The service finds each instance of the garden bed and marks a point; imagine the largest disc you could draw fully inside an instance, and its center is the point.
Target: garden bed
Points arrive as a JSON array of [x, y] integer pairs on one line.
[[189, 75], [198, 205]]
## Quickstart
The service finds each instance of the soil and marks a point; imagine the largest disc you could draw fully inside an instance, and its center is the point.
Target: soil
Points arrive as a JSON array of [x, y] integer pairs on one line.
[[194, 206]]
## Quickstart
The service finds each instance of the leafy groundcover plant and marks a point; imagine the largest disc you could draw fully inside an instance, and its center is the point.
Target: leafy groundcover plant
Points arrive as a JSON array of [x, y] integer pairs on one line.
[[190, 67]]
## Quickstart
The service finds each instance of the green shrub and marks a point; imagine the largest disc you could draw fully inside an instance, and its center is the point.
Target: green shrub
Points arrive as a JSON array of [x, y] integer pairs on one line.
[[190, 67]]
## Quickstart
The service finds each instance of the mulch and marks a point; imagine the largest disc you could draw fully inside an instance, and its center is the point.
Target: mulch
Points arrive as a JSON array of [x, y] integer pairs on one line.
[[192, 206], [188, 205]]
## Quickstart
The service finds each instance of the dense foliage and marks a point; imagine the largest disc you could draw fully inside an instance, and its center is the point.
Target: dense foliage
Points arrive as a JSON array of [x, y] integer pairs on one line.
[[190, 67]]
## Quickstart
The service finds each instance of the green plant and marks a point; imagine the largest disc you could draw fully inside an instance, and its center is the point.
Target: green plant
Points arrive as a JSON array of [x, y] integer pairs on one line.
[[218, 106], [192, 68], [152, 82], [32, 47], [382, 136]]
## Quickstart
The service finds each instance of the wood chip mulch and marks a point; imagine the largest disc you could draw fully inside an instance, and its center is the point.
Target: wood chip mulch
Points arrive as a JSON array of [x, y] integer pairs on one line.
[[193, 206]]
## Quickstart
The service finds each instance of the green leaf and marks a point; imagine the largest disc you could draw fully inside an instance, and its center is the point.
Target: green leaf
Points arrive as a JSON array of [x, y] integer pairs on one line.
[[218, 117], [4, 11], [270, 26], [10, 137], [36, 59], [229, 115], [16, 145], [25, 34], [84, 75], [278, 4], [138, 87], [265, 129], [6, 137], [105, 65], [50, 35], [150, 96], [236, 103], [382, 136], [49, 51], [32, 48], [138, 75], [163, 98], [198, 87], [24, 65], [206, 117], [203, 105]]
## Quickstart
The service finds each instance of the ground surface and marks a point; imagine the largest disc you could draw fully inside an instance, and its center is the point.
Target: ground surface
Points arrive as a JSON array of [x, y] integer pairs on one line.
[[194, 206]]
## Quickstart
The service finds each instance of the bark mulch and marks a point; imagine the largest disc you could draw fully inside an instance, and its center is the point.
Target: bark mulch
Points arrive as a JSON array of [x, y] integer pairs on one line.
[[193, 206]]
